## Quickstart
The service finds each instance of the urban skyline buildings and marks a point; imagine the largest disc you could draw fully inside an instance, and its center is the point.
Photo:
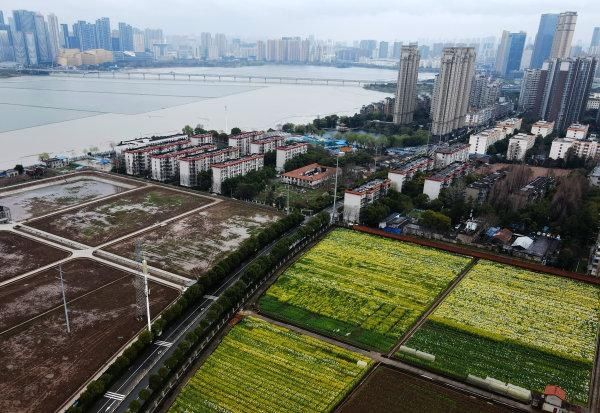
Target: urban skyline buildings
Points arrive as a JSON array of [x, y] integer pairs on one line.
[[510, 52], [565, 29], [452, 89], [543, 40], [406, 91]]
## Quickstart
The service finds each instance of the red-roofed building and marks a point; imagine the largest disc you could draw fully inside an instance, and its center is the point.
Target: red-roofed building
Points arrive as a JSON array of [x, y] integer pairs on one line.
[[309, 176], [554, 396]]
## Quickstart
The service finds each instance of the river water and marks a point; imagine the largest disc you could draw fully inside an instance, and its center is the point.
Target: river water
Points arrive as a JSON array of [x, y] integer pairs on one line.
[[67, 115]]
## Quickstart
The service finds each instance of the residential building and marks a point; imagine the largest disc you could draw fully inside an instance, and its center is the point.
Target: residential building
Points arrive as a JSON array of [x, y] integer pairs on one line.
[[406, 171], [478, 191], [358, 198], [266, 144], [53, 36], [125, 37], [138, 161], [583, 148], [595, 37], [452, 88], [285, 153], [191, 166], [242, 141], [55, 163], [577, 131], [445, 155], [480, 117], [444, 178], [165, 166], [533, 191], [594, 177], [565, 28], [103, 40], [202, 139], [593, 102], [529, 89], [510, 125], [480, 142], [542, 128], [543, 40], [309, 176], [85, 33], [484, 92], [383, 50], [518, 146], [233, 168], [510, 53], [406, 92]]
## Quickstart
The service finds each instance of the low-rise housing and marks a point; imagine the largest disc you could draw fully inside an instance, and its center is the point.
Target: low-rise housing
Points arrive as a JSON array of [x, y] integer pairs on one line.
[[444, 178], [594, 176], [137, 143], [233, 168], [583, 148], [202, 139], [510, 125], [480, 142], [407, 171], [577, 131], [479, 117], [445, 155], [518, 146], [165, 166], [138, 161], [542, 128], [55, 163], [285, 153], [243, 140], [309, 176], [479, 190], [358, 198], [190, 167], [266, 144], [533, 191]]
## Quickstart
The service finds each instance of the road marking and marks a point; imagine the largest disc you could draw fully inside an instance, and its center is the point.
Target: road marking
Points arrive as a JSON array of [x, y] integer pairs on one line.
[[163, 343], [211, 297], [114, 396]]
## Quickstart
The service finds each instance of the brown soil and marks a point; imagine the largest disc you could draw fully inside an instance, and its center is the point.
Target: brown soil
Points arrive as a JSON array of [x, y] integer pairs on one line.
[[19, 255], [388, 390], [41, 365], [107, 220], [191, 245]]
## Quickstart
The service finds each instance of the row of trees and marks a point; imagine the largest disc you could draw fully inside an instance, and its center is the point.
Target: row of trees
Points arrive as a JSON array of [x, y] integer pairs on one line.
[[255, 272], [191, 297]]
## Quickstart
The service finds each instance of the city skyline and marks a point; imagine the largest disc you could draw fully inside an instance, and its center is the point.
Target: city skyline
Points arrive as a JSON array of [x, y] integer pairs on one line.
[[344, 21]]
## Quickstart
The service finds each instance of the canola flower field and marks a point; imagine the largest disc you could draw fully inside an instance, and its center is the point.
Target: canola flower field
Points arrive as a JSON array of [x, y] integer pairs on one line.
[[360, 288], [260, 367], [518, 326]]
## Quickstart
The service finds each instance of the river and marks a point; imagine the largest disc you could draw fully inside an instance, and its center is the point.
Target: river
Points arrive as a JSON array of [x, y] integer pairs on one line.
[[67, 115]]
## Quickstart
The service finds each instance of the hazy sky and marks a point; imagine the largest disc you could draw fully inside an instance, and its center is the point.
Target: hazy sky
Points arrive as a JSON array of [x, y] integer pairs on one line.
[[326, 19]]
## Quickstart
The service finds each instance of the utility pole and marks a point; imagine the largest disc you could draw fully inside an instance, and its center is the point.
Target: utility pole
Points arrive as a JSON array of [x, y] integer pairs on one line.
[[334, 211], [62, 287], [226, 127], [287, 208], [146, 292]]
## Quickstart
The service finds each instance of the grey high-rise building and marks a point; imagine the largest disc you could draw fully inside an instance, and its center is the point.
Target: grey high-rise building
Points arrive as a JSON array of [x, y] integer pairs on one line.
[[53, 36], [595, 45], [24, 21], [452, 89], [1, 18], [152, 37], [31, 48], [529, 88], [125, 37], [510, 52], [6, 48], [396, 50], [19, 48], [383, 50], [41, 39], [563, 90], [64, 36], [406, 92], [565, 28], [484, 92], [86, 35], [543, 40], [103, 40]]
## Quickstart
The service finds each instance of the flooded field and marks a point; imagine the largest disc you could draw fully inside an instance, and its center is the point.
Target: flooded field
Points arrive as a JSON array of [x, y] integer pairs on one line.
[[190, 246], [35, 201]]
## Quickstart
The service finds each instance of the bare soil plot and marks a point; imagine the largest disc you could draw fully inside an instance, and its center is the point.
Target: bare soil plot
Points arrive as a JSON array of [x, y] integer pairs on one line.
[[191, 245], [110, 219], [388, 390], [41, 365], [36, 201], [19, 255]]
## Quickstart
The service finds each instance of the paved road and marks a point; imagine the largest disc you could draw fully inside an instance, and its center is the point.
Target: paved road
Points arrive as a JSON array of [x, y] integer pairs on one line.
[[126, 389]]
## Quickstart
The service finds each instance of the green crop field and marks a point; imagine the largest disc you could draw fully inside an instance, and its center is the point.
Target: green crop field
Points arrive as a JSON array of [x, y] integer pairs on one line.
[[521, 327], [260, 367], [361, 288]]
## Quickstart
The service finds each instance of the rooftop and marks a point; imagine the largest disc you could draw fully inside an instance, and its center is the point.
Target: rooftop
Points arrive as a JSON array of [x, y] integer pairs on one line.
[[292, 146], [488, 180], [370, 186], [578, 127], [150, 148], [543, 123], [557, 391], [311, 172], [188, 151], [457, 147], [209, 153], [238, 161], [448, 171], [408, 166]]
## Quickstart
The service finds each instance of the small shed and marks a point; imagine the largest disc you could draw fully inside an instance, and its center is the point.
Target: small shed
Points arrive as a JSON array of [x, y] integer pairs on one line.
[[504, 236], [555, 395], [522, 243]]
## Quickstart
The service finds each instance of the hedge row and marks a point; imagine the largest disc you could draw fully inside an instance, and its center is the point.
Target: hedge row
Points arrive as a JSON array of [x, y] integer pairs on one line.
[[226, 302], [192, 296]]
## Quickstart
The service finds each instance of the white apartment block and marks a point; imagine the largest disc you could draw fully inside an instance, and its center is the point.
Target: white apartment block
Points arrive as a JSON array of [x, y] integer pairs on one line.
[[594, 100], [444, 178], [190, 167], [356, 199], [243, 141], [233, 168], [165, 166], [542, 128], [138, 161], [444, 156], [577, 131], [480, 142], [518, 145], [139, 143], [268, 144], [202, 139], [479, 117], [407, 171], [285, 153], [510, 125], [583, 148]]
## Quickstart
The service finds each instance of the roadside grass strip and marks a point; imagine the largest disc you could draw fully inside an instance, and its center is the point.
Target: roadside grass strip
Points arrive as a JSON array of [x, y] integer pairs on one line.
[[261, 367], [360, 288]]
